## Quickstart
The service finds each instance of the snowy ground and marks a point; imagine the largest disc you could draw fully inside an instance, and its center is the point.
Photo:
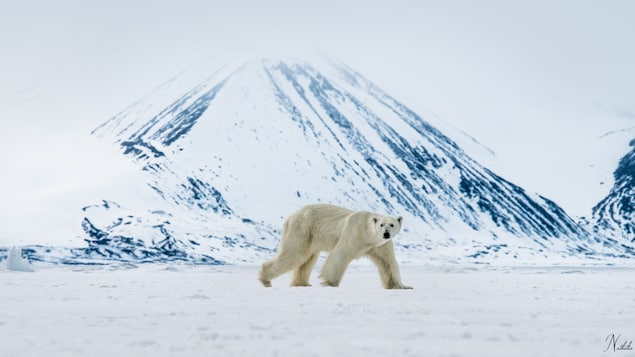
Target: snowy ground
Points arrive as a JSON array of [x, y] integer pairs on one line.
[[159, 310]]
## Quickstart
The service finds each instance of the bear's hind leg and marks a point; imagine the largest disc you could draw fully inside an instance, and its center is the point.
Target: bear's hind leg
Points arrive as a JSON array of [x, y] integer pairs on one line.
[[263, 274], [302, 273], [279, 265]]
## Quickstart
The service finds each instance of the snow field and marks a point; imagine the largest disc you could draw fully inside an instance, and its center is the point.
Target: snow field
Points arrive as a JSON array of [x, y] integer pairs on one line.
[[178, 310]]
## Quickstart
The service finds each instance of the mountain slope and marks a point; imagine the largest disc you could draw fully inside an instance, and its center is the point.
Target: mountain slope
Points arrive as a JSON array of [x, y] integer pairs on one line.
[[237, 149], [614, 216]]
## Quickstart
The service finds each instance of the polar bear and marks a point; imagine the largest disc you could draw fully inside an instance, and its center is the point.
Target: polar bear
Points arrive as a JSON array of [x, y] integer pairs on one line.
[[345, 234]]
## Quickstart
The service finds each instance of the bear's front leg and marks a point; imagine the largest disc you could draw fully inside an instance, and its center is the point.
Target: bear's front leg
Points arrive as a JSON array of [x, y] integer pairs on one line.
[[384, 259], [334, 267]]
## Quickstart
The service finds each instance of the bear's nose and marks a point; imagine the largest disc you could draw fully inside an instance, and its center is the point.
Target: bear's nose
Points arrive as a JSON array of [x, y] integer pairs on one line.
[[386, 235]]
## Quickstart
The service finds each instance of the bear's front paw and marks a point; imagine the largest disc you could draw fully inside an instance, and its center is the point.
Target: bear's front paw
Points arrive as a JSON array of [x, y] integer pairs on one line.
[[301, 285], [401, 286]]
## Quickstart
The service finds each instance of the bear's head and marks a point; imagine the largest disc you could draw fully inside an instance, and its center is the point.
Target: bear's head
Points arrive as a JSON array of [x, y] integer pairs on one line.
[[386, 228]]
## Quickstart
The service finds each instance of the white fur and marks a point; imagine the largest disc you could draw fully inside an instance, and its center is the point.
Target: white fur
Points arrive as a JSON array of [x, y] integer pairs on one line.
[[346, 234]]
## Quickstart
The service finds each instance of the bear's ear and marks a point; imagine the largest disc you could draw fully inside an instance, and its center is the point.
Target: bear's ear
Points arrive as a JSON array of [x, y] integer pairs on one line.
[[375, 219], [399, 219]]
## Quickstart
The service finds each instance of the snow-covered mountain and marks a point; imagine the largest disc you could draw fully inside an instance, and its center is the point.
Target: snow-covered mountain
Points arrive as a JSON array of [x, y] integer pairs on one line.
[[614, 216], [231, 150]]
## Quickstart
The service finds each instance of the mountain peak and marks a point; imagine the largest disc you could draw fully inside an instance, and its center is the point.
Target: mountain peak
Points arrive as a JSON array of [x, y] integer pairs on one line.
[[245, 143]]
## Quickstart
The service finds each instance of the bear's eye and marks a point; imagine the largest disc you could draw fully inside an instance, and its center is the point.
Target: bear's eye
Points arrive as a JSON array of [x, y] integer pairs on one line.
[[381, 225], [392, 225]]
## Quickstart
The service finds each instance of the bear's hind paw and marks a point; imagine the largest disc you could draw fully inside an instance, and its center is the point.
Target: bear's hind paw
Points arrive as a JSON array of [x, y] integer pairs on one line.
[[328, 283], [265, 283]]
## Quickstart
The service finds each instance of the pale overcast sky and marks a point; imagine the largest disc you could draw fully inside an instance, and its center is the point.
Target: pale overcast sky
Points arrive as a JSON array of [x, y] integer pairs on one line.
[[536, 81]]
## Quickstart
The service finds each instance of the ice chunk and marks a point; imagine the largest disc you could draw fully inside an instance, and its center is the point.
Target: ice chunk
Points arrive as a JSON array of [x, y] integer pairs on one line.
[[16, 262]]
